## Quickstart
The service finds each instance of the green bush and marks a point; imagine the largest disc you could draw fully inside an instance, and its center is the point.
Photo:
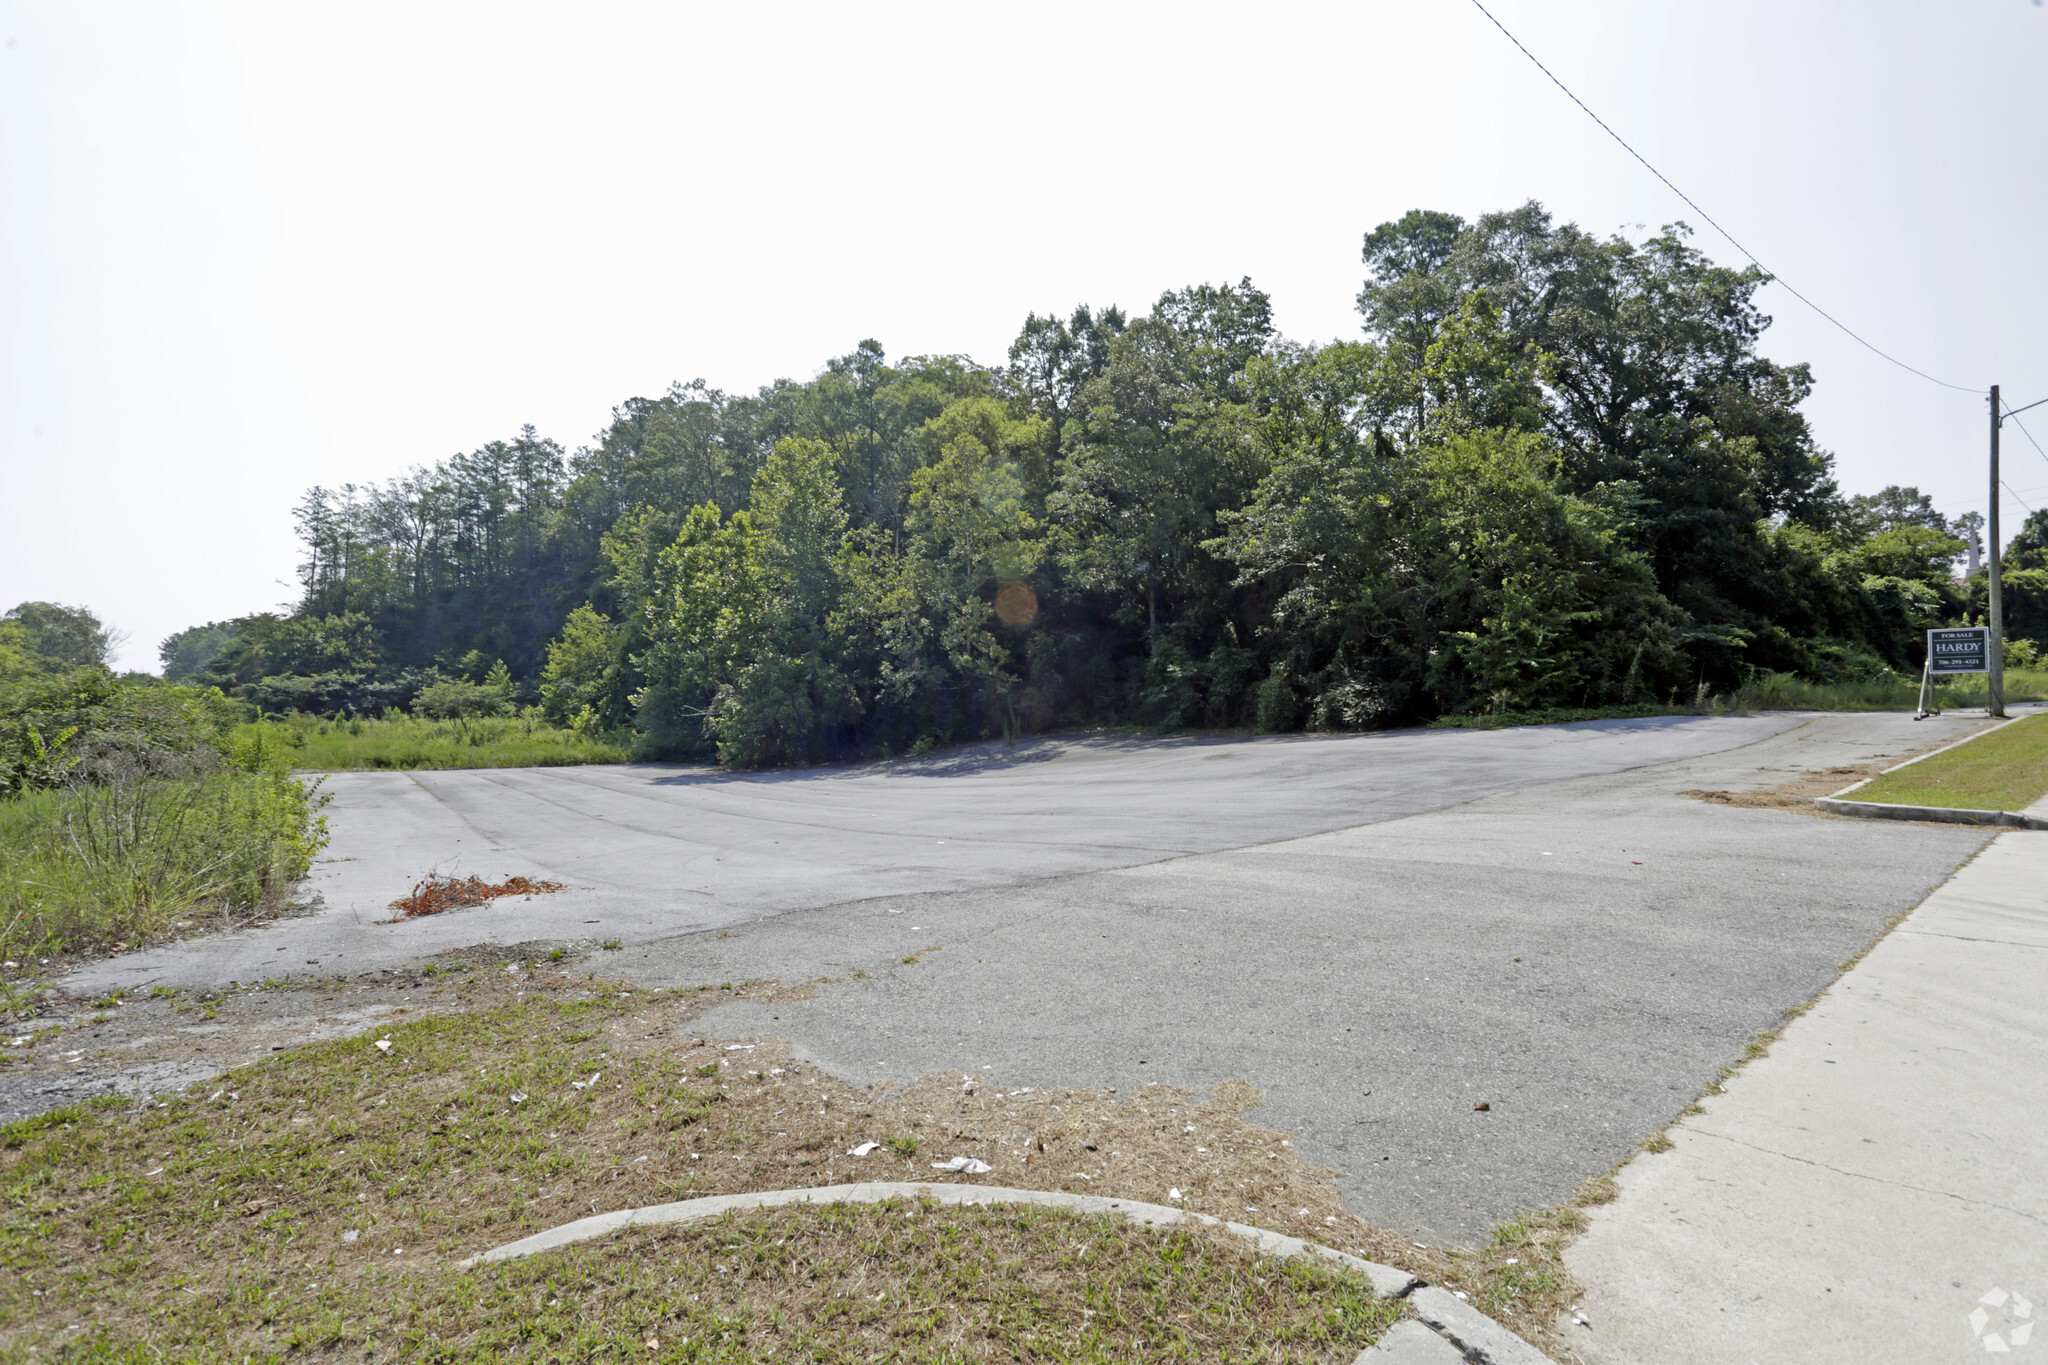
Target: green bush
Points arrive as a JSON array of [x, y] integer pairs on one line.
[[460, 699], [128, 805], [85, 725]]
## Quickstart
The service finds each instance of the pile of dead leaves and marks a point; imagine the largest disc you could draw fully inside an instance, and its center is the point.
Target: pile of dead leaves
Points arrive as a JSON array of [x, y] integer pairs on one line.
[[435, 894]]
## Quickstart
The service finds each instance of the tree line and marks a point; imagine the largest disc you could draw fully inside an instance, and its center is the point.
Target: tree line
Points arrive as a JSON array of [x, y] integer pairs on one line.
[[1554, 470]]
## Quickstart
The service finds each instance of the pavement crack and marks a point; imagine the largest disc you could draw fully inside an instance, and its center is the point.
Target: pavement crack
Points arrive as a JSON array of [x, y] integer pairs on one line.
[[1970, 938], [449, 806], [1874, 1179]]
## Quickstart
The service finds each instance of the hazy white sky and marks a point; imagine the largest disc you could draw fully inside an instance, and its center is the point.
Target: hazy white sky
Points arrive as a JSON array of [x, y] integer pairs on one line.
[[249, 248]]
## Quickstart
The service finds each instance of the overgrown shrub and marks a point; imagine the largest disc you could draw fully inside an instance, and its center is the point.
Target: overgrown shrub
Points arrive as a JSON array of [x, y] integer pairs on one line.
[[128, 805], [460, 699], [125, 861], [84, 725]]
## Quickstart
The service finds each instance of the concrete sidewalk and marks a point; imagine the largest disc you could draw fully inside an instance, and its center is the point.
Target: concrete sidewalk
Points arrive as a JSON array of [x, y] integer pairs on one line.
[[1876, 1188]]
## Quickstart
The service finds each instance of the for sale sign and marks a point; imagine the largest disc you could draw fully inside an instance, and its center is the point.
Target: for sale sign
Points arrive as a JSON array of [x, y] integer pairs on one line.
[[1966, 649]]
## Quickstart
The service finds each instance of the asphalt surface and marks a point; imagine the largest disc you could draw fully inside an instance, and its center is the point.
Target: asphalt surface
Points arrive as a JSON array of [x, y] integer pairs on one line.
[[1336, 920], [648, 852], [1876, 1188]]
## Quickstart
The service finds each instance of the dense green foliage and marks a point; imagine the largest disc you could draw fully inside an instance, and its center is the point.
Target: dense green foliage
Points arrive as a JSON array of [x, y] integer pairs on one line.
[[128, 805], [1555, 473], [46, 635], [84, 725]]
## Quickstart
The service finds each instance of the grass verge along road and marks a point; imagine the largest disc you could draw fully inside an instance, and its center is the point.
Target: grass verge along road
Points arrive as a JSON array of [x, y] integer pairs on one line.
[[321, 1200], [2006, 769]]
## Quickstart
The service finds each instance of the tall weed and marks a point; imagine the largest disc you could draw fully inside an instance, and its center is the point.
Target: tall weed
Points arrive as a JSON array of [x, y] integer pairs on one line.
[[1892, 692], [129, 861], [526, 740]]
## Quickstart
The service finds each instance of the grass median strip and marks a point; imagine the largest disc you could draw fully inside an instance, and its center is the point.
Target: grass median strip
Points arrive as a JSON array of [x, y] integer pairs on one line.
[[2006, 769]]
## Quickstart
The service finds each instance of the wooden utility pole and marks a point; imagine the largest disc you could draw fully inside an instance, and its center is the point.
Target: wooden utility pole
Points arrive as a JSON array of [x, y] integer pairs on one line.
[[1995, 665]]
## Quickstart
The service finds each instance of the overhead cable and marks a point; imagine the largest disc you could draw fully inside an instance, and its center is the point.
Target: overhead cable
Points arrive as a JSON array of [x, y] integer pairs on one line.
[[1779, 279], [2012, 418]]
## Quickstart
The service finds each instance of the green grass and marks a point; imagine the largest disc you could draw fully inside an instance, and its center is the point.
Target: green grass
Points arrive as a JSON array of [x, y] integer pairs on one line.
[[1784, 692], [904, 1281], [131, 861], [2006, 769], [316, 1205], [411, 742]]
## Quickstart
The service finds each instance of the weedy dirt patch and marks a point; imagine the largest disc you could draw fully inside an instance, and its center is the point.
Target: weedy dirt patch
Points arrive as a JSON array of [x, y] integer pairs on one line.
[[432, 895], [1798, 793], [57, 1048], [320, 1198]]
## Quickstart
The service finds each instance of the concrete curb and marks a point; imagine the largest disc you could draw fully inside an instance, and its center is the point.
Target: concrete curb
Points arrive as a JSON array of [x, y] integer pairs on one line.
[[1469, 1334], [1948, 815]]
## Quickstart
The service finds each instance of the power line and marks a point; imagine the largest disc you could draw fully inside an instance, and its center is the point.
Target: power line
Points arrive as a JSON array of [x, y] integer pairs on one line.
[[1976, 504], [2010, 417], [1959, 388], [2015, 497]]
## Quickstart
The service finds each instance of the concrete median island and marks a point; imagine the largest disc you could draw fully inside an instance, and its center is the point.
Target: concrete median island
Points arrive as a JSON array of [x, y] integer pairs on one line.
[[1998, 777]]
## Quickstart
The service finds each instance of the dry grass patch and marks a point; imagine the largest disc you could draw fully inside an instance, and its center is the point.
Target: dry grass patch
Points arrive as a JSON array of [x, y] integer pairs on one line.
[[917, 1281], [1797, 794], [318, 1200]]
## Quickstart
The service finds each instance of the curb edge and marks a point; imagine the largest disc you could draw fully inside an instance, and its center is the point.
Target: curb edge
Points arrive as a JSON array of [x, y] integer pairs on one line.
[[1947, 815], [1477, 1337], [1834, 804]]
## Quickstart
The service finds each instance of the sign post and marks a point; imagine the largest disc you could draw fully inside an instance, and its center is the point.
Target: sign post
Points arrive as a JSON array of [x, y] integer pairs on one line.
[[1960, 649]]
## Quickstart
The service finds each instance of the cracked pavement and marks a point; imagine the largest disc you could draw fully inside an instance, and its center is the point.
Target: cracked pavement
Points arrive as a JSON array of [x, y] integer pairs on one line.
[[1378, 931]]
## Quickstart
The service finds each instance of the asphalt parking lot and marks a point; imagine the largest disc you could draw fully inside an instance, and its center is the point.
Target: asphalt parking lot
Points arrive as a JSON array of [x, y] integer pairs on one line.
[[1380, 932]]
